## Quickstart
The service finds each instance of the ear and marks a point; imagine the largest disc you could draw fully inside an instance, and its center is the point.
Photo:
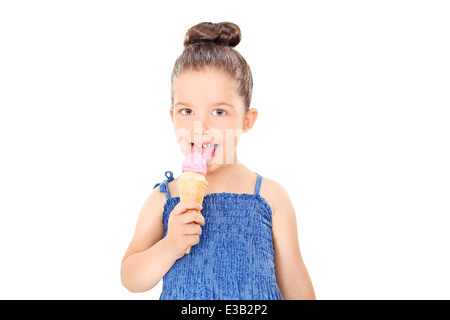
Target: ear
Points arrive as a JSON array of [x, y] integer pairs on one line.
[[249, 119], [171, 113]]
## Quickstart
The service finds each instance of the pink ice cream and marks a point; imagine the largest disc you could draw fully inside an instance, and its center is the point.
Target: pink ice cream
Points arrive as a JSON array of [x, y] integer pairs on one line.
[[194, 162]]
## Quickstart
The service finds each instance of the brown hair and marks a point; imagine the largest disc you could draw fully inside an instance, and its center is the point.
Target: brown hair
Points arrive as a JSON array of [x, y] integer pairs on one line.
[[212, 45]]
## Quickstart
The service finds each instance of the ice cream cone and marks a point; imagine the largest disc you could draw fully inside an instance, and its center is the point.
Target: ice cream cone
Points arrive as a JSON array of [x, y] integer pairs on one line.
[[192, 186]]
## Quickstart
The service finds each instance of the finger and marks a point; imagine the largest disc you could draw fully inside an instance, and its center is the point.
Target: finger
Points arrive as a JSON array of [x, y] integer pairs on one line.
[[185, 205], [199, 218], [193, 216], [193, 229], [190, 204], [193, 239]]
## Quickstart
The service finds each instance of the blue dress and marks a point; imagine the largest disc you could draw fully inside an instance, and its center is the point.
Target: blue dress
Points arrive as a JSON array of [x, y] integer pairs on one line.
[[234, 259]]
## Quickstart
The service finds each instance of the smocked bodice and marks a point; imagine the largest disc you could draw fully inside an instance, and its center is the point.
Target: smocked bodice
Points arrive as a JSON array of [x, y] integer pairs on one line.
[[234, 258]]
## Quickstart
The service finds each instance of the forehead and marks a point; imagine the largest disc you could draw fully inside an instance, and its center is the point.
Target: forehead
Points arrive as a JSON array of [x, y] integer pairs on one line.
[[205, 86]]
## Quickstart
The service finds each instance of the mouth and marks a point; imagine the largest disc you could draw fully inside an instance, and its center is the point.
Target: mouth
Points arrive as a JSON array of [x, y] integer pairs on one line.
[[207, 150]]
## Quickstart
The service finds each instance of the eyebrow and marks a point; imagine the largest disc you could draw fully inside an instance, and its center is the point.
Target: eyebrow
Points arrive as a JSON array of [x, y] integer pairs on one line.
[[213, 105]]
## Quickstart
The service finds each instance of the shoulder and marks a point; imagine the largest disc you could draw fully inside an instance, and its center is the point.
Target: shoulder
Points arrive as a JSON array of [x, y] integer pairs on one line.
[[275, 195], [157, 196], [154, 203], [149, 226], [173, 188]]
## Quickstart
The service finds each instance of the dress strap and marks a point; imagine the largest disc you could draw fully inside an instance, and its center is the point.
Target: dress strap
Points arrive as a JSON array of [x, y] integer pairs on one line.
[[163, 187], [258, 183]]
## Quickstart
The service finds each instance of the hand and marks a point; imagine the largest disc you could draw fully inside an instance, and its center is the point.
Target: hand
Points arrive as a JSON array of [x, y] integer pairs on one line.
[[184, 227]]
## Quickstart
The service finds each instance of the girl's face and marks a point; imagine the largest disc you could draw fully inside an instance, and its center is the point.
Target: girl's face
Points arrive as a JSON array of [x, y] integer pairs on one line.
[[208, 115]]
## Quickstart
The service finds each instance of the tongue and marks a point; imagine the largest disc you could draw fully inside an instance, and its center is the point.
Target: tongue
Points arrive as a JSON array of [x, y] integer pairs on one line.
[[206, 152]]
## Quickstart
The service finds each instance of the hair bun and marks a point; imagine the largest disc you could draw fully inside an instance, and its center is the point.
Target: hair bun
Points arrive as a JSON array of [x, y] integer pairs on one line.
[[222, 33]]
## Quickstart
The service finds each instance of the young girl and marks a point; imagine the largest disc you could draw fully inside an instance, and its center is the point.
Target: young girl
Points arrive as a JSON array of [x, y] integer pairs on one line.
[[244, 235]]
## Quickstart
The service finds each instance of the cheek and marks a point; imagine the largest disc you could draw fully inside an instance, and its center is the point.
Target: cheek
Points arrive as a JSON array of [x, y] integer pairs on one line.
[[178, 122], [231, 130], [230, 140], [181, 124], [230, 123], [182, 135]]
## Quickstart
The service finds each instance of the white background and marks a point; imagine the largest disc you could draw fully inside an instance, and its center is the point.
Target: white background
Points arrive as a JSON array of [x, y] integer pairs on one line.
[[354, 122]]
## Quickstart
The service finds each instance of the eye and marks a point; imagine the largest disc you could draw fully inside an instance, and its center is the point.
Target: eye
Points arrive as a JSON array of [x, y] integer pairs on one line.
[[186, 112], [219, 112]]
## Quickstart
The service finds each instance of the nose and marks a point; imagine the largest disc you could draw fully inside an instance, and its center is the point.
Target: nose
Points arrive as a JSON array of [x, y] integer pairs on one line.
[[201, 127]]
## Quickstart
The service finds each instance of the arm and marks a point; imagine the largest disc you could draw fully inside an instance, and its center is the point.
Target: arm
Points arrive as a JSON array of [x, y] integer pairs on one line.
[[291, 273], [149, 255]]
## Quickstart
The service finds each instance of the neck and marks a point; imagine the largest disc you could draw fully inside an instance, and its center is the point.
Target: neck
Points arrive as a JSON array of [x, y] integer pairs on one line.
[[219, 171]]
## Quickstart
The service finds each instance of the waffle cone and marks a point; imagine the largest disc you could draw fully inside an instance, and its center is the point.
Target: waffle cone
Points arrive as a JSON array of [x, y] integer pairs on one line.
[[192, 186]]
